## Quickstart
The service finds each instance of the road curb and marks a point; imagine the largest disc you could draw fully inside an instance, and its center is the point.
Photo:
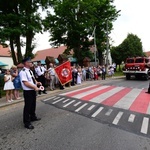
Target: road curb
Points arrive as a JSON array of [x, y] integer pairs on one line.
[[58, 91]]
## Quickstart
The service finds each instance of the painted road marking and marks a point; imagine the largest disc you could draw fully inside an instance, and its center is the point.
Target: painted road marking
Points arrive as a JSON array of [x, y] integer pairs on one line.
[[69, 103], [120, 97], [91, 107], [66, 100], [104, 96], [109, 112], [144, 127], [97, 112], [117, 118], [81, 107], [49, 98], [89, 92], [128, 99], [148, 109], [58, 100], [131, 118], [79, 90], [77, 104]]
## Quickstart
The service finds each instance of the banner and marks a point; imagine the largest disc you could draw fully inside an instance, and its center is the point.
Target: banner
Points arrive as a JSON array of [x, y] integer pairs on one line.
[[64, 73]]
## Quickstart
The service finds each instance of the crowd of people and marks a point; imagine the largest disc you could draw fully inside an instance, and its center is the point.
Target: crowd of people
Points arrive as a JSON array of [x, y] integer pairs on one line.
[[34, 76], [48, 78]]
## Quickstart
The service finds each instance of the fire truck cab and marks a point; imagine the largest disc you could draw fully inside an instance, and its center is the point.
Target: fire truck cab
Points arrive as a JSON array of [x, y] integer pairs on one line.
[[138, 67]]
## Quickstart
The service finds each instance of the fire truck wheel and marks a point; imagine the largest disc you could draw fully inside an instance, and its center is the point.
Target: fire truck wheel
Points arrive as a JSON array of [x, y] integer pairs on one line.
[[128, 76]]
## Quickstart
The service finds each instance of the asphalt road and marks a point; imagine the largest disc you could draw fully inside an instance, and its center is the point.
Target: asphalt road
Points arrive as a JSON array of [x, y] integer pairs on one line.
[[62, 129]]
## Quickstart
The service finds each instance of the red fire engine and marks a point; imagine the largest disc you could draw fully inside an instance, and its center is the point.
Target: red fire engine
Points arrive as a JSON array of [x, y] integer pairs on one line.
[[138, 67]]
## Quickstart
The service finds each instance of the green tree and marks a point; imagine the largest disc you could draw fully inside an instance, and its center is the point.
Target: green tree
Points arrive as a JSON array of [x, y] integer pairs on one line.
[[116, 56], [131, 47], [104, 16], [21, 19], [74, 21]]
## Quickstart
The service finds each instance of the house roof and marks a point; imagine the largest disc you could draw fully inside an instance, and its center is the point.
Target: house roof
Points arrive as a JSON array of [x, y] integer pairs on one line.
[[5, 52], [53, 52], [147, 53]]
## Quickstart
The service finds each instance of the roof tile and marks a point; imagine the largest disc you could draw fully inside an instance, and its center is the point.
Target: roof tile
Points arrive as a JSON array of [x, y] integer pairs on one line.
[[53, 52]]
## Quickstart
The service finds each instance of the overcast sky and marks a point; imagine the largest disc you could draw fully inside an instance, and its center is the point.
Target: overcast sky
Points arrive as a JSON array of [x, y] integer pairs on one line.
[[134, 19]]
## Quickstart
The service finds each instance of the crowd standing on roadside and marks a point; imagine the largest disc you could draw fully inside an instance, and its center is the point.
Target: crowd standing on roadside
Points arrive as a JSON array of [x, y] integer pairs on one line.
[[48, 77]]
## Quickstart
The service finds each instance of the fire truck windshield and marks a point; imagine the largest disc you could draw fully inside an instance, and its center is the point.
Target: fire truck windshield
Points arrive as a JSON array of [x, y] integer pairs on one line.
[[130, 61], [139, 60]]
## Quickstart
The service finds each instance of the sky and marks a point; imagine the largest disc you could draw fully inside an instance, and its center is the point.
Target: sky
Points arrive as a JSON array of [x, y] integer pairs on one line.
[[134, 18]]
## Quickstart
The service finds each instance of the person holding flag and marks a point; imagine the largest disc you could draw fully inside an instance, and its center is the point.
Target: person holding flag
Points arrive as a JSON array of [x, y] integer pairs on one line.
[[64, 73]]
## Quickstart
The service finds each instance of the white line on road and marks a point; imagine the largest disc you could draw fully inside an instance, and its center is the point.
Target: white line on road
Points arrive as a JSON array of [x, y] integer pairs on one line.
[[81, 107], [117, 118], [97, 112], [90, 91], [126, 101], [66, 100], [101, 97], [144, 127], [131, 118], [91, 107], [69, 103], [58, 100], [79, 90], [49, 98], [77, 104], [109, 112], [148, 109]]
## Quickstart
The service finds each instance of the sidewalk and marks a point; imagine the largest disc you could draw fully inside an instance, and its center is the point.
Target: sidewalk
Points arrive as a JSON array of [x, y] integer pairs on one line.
[[3, 102]]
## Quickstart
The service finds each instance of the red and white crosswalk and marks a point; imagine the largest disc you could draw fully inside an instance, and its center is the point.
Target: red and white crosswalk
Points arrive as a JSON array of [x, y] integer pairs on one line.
[[121, 97]]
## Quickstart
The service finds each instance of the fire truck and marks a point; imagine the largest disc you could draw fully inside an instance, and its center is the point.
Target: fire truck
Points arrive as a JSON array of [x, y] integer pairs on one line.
[[138, 67]]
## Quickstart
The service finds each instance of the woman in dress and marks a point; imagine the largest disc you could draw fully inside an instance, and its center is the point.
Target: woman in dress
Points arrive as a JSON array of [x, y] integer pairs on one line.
[[8, 86], [16, 81], [79, 76]]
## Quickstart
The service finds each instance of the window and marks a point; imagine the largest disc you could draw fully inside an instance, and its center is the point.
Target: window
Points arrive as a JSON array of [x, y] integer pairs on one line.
[[139, 60], [130, 60]]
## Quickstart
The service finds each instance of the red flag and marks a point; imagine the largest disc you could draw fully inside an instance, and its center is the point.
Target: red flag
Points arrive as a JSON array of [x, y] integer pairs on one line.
[[64, 73]]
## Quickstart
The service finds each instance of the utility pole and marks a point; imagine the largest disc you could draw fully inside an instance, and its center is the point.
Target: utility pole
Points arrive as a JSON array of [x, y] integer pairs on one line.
[[107, 46], [95, 48]]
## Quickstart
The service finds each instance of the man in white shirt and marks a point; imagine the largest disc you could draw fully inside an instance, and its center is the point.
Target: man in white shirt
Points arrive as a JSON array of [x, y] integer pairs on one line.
[[52, 74], [29, 85], [40, 71]]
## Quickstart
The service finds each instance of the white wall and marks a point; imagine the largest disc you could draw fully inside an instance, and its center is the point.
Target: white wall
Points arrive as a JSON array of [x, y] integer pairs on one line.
[[6, 60]]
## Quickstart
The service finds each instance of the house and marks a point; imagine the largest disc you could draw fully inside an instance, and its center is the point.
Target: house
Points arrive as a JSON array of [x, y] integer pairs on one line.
[[6, 60], [53, 52], [147, 53]]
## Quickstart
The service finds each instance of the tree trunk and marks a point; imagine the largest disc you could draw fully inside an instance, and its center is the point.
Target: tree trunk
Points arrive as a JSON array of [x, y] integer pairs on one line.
[[100, 57], [13, 54], [77, 54], [29, 49], [19, 54]]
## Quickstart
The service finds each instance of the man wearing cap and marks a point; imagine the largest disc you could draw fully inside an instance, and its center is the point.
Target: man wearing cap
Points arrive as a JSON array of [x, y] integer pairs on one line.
[[40, 71], [29, 85]]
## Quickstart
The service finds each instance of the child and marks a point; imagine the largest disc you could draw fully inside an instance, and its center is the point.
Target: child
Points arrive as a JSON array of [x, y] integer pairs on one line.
[[8, 86]]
